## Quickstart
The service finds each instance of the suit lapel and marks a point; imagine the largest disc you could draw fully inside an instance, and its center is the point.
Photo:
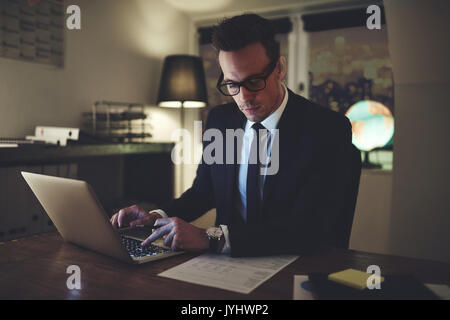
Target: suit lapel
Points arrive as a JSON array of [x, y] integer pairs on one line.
[[288, 131]]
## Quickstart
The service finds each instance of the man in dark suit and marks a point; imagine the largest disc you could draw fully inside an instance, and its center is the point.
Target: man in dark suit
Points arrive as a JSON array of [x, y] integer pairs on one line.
[[293, 203]]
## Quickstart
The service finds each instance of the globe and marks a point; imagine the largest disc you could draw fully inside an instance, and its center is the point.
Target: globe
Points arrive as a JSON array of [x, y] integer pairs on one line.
[[372, 125]]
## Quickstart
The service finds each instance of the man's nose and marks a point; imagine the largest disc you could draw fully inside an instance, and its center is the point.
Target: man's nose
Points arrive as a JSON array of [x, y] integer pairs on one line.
[[245, 94]]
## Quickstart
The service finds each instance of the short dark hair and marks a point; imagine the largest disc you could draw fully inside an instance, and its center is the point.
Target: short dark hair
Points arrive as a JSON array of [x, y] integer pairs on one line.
[[240, 31]]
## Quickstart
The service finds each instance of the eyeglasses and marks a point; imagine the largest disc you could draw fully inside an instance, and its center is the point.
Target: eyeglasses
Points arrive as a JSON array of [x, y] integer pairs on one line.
[[253, 83]]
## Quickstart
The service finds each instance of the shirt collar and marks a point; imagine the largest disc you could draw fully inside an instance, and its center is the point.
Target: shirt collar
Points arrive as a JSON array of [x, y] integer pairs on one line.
[[271, 121]]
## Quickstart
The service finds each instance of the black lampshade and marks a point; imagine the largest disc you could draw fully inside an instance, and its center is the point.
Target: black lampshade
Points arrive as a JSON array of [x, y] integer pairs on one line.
[[182, 82]]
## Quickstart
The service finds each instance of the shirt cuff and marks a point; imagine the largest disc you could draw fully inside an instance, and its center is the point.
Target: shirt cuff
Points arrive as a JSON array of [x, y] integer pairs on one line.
[[227, 247], [160, 212]]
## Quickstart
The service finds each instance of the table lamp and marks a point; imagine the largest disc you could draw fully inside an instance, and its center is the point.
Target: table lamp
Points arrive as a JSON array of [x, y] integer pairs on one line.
[[182, 85]]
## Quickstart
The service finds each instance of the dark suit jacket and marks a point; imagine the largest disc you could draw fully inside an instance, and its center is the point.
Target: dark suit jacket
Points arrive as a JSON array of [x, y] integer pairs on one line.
[[302, 204]]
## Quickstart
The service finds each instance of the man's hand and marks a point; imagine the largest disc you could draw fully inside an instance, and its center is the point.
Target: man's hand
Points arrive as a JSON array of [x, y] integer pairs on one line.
[[181, 235], [133, 216]]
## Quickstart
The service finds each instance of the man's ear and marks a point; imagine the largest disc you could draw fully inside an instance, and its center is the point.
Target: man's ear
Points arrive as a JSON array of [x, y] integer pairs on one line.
[[282, 68]]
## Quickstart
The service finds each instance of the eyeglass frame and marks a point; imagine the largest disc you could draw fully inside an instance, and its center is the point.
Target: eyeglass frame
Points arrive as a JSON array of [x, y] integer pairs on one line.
[[262, 76]]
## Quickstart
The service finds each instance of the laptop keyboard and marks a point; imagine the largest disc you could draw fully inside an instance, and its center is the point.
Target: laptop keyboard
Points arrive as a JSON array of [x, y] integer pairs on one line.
[[135, 249]]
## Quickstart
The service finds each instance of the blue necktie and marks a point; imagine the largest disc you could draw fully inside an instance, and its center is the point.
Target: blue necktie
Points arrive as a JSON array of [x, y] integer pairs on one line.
[[253, 179]]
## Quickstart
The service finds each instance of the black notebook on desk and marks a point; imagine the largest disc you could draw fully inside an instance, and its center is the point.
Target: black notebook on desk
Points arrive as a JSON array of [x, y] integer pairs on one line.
[[395, 287]]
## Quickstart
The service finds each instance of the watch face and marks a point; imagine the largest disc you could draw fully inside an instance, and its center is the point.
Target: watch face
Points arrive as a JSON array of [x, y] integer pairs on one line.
[[214, 232]]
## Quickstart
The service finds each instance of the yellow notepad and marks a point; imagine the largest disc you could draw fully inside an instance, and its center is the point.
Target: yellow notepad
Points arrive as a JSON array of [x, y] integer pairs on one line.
[[353, 278]]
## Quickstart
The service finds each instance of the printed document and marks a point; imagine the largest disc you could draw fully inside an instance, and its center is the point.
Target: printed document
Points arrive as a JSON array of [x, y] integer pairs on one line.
[[241, 275]]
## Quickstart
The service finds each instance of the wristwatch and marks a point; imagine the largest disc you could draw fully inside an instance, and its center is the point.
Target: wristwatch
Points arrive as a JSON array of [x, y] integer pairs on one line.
[[214, 235]]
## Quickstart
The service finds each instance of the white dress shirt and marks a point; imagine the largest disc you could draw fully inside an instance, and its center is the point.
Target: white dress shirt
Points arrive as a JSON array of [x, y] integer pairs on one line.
[[270, 123]]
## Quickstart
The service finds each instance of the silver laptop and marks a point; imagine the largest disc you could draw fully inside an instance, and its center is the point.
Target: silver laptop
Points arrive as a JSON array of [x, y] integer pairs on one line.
[[79, 217]]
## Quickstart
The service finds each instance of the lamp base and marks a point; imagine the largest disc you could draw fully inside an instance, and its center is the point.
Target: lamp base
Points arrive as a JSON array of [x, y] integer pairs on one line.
[[369, 165]]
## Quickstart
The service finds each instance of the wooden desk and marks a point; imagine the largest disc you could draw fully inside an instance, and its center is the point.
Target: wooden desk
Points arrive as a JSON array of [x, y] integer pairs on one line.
[[35, 268]]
